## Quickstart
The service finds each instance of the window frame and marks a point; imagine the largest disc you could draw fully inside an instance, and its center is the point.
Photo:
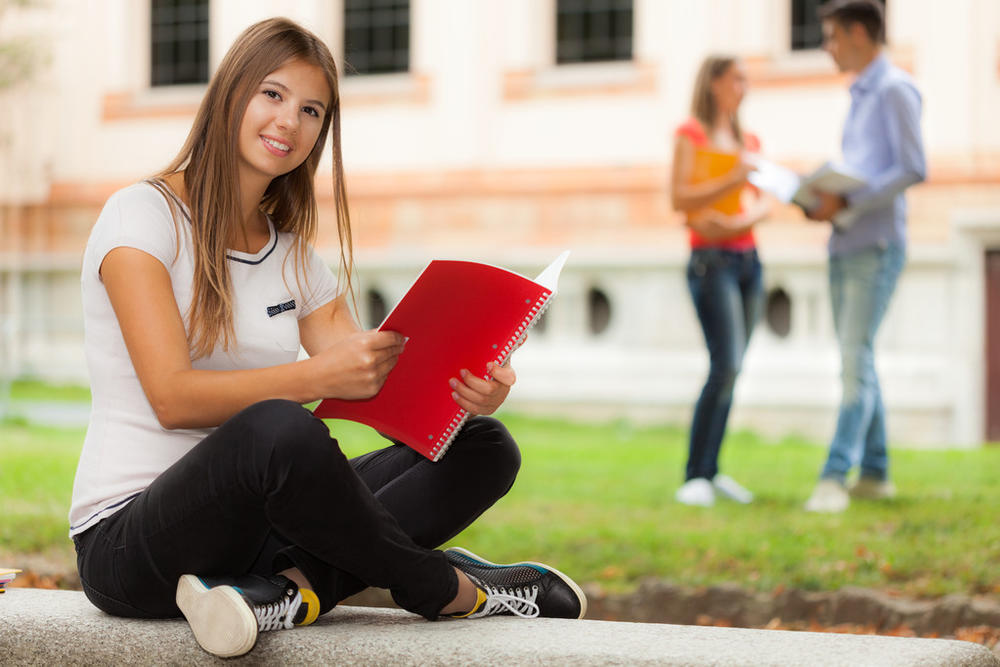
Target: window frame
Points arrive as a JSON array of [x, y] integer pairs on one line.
[[817, 24], [812, 26], [202, 47], [561, 10], [350, 70]]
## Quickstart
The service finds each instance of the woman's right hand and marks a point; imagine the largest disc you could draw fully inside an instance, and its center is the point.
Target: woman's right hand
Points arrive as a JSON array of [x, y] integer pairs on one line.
[[356, 366], [742, 170]]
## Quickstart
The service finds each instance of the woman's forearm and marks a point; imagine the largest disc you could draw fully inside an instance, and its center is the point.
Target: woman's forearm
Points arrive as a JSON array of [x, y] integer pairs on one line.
[[195, 398], [692, 196]]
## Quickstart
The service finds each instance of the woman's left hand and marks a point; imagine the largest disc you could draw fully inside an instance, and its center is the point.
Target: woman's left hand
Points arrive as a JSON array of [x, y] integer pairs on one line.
[[479, 396]]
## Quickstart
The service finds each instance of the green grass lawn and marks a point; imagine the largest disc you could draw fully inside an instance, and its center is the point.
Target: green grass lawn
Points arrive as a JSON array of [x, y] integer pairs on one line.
[[28, 390], [597, 501], [36, 480]]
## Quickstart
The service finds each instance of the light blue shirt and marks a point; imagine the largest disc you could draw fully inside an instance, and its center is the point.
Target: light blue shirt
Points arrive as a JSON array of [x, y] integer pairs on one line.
[[882, 143]]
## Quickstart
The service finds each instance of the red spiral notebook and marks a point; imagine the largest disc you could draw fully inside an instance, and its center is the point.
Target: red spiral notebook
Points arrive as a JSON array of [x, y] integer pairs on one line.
[[455, 315]]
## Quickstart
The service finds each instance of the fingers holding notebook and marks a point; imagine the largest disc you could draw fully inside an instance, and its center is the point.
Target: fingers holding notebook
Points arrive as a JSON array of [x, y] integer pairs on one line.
[[356, 366], [481, 396]]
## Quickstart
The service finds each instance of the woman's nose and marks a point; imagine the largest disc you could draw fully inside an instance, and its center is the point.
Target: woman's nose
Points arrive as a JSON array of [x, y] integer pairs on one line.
[[288, 120]]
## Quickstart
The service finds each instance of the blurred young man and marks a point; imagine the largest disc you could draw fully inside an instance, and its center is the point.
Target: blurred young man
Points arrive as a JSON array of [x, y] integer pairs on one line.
[[882, 142]]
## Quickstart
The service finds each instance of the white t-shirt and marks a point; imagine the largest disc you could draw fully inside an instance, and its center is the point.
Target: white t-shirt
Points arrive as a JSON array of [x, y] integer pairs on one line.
[[126, 448]]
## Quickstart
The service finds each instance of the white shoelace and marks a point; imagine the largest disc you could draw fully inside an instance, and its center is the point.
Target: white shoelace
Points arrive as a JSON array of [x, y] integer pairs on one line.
[[277, 615], [518, 601]]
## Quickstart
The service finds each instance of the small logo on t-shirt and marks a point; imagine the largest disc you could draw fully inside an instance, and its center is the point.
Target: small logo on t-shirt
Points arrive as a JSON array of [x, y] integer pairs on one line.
[[280, 308]]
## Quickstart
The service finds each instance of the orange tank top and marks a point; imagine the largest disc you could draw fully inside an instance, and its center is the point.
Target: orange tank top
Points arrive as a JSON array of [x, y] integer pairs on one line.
[[693, 130]]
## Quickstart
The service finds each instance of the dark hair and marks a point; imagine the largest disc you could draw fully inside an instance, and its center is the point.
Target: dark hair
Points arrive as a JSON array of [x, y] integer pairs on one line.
[[869, 13]]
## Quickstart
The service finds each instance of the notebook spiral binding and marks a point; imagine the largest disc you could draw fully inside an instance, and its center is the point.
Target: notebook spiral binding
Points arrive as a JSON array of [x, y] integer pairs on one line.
[[520, 333]]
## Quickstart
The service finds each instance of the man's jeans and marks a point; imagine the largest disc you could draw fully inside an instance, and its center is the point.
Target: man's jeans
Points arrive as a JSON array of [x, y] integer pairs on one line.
[[727, 292], [861, 286]]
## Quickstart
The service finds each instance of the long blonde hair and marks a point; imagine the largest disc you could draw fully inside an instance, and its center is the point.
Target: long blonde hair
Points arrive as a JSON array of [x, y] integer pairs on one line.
[[703, 104], [209, 161]]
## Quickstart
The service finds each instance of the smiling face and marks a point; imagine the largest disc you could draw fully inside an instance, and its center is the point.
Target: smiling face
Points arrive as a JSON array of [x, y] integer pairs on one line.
[[282, 122]]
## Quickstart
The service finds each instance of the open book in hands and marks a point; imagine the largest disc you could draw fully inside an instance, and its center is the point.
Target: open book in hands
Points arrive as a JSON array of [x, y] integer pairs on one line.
[[455, 315], [790, 187]]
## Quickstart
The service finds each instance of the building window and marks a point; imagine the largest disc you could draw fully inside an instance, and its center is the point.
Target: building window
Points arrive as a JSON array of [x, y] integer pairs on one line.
[[376, 308], [598, 311], [807, 30], [179, 42], [593, 30], [376, 36], [778, 312]]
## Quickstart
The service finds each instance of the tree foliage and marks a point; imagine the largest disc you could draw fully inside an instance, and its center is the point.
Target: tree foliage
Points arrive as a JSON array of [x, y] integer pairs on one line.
[[20, 56]]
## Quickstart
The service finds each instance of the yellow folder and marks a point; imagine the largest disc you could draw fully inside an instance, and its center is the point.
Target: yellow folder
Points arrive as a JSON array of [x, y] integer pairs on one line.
[[709, 164]]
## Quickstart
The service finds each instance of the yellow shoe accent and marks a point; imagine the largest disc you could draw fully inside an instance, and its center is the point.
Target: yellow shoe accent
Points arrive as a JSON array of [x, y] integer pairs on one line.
[[309, 598], [480, 599]]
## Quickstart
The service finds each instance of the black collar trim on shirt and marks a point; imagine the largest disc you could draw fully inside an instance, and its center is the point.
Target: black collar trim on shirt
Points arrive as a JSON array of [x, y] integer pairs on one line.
[[257, 261], [162, 186]]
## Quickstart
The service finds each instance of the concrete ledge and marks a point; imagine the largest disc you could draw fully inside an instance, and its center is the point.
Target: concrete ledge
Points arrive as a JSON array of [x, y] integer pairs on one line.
[[61, 627]]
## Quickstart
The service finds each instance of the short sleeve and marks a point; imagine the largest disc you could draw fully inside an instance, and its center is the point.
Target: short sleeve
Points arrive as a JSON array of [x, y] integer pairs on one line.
[[320, 286], [692, 130], [136, 217]]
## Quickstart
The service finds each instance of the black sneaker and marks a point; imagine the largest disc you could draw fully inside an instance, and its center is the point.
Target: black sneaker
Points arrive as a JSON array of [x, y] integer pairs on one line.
[[227, 613], [525, 589]]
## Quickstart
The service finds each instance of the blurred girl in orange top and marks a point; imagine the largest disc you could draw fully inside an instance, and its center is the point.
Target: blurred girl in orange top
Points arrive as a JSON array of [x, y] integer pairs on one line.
[[724, 272]]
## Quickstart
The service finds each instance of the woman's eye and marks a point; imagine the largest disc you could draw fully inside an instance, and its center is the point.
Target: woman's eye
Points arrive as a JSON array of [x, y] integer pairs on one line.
[[311, 111], [273, 94]]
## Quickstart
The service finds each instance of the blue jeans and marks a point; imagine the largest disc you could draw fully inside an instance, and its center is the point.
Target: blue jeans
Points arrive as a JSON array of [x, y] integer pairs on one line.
[[727, 292], [861, 286]]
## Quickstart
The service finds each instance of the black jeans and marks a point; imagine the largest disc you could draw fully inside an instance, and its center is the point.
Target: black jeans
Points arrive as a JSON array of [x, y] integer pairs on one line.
[[727, 292], [270, 489]]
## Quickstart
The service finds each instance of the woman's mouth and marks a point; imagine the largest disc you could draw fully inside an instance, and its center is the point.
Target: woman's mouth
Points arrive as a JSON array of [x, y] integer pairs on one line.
[[276, 147]]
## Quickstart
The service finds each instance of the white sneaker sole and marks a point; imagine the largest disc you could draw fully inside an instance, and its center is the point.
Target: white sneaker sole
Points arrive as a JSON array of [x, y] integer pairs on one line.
[[826, 507], [569, 582], [741, 496], [694, 502], [221, 620]]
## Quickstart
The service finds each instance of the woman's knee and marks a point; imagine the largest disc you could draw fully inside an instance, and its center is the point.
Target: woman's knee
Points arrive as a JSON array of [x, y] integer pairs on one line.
[[272, 411], [722, 377], [286, 427], [493, 448]]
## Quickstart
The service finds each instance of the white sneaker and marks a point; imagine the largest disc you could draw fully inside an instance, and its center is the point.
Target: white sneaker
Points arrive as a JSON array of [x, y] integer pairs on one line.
[[731, 489], [829, 496], [869, 488], [698, 491]]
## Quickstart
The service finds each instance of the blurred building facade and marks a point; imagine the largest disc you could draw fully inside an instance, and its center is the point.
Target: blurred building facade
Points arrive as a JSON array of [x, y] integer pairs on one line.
[[507, 130]]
